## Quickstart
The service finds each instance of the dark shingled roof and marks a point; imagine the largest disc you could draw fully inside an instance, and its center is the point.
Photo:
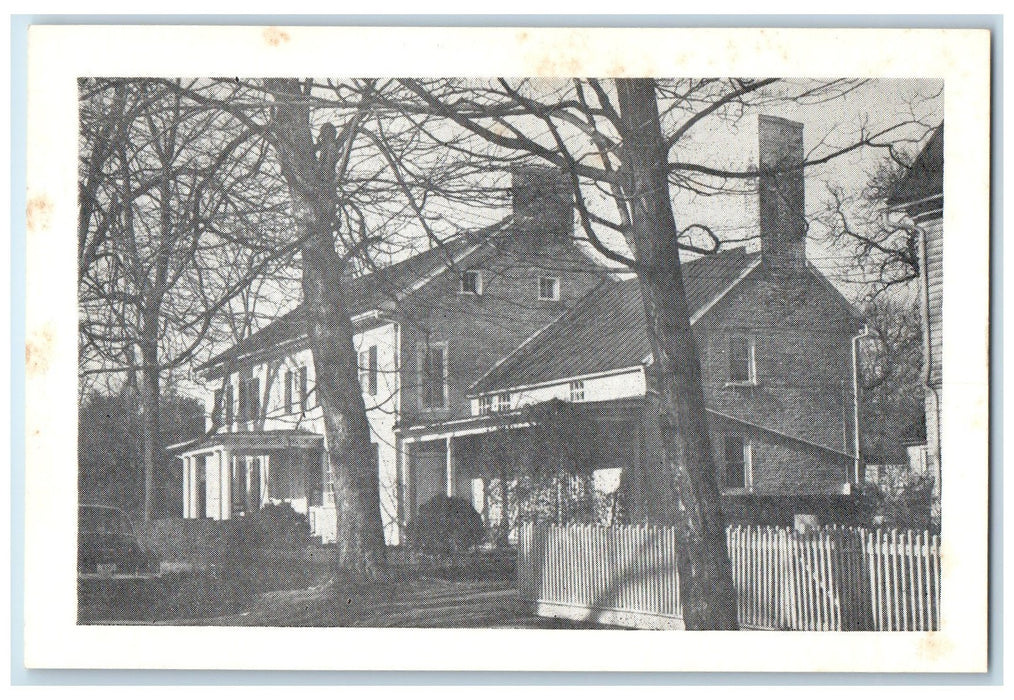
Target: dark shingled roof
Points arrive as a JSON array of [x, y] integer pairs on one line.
[[926, 176], [606, 329], [367, 292]]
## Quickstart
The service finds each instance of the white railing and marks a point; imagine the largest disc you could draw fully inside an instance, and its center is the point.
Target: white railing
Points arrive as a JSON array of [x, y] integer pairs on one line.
[[832, 579]]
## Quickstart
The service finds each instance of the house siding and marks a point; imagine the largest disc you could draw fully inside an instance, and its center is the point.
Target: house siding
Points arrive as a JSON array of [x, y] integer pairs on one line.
[[381, 412]]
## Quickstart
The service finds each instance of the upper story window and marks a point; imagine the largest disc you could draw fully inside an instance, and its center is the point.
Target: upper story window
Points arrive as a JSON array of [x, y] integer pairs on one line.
[[742, 360], [736, 463], [502, 402], [287, 388], [433, 375], [217, 407], [549, 288], [249, 399], [226, 406], [368, 370], [577, 390], [493, 403], [471, 282]]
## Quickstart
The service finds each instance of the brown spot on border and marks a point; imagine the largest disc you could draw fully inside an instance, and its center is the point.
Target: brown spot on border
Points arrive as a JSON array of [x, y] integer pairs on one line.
[[39, 351], [273, 36], [38, 212]]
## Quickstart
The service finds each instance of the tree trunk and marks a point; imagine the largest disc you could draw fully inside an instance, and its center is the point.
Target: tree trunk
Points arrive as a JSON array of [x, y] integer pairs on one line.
[[313, 187], [154, 489], [685, 492]]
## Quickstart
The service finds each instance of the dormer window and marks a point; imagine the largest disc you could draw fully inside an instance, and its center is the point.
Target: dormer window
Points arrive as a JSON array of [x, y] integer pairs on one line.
[[471, 282], [549, 288]]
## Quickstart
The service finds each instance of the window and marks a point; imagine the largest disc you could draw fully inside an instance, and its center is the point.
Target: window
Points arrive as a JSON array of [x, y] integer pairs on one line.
[[249, 399], [549, 288], [304, 397], [471, 282], [289, 379], [485, 405], [502, 402], [433, 375], [742, 366], [736, 462], [218, 408], [577, 390]]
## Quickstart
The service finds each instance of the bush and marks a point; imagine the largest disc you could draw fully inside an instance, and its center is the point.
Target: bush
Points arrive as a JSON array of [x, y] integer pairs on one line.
[[446, 524], [272, 527]]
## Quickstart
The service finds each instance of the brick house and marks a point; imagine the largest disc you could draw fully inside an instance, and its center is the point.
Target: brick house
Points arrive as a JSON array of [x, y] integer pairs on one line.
[[427, 328], [776, 343], [455, 341]]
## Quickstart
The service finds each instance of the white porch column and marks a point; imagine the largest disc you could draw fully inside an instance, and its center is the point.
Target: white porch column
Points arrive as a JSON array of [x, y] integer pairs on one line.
[[450, 468], [225, 484], [196, 464], [187, 481], [265, 478]]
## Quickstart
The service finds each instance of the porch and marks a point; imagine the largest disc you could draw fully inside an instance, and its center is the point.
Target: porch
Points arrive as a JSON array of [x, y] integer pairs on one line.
[[553, 462], [234, 474]]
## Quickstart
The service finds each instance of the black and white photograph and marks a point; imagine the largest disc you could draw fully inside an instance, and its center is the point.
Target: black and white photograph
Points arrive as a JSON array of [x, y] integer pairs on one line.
[[550, 352]]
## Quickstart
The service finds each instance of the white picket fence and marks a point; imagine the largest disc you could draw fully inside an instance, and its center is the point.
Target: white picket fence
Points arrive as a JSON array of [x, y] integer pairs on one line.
[[833, 579]]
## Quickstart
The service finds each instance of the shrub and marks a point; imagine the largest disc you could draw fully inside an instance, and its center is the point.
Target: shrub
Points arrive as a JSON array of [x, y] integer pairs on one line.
[[446, 524], [272, 527]]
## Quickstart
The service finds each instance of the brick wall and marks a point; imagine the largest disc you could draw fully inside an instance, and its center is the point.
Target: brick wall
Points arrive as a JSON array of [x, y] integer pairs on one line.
[[802, 339], [480, 330]]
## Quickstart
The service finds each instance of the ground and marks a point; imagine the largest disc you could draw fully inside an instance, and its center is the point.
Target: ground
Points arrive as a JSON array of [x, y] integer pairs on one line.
[[421, 601]]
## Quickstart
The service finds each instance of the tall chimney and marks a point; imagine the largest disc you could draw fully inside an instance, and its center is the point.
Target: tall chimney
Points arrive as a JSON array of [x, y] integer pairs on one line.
[[543, 203], [782, 193]]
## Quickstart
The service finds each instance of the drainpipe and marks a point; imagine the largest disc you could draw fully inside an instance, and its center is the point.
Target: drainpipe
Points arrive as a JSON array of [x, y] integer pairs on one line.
[[920, 235], [855, 403]]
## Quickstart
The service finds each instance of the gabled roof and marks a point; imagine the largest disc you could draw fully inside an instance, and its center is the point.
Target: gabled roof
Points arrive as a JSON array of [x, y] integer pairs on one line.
[[606, 329], [366, 293], [926, 176]]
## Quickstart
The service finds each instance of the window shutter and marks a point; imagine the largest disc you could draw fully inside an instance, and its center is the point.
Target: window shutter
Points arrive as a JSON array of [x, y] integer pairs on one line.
[[373, 370]]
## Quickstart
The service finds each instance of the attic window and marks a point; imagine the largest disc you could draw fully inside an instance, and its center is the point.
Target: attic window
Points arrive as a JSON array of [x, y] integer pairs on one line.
[[502, 402], [577, 390], [471, 282], [549, 288]]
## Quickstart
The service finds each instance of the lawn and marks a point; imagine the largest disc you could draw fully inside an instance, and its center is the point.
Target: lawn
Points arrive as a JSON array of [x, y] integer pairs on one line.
[[214, 579]]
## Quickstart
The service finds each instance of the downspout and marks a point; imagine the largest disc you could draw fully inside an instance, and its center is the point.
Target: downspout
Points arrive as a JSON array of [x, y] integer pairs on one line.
[[920, 235], [858, 465]]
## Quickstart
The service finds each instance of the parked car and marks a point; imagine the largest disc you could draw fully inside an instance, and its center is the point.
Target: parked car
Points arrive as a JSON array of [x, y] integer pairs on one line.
[[108, 547]]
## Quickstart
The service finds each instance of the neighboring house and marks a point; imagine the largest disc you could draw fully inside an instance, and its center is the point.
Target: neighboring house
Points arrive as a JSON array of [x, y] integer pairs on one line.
[[776, 344], [453, 340], [920, 195], [426, 329]]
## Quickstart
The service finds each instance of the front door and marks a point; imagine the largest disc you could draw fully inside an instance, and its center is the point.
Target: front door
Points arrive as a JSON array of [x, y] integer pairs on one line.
[[253, 485], [429, 468]]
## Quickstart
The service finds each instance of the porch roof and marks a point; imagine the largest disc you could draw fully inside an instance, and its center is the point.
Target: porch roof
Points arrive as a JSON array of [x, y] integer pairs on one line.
[[509, 420], [251, 440]]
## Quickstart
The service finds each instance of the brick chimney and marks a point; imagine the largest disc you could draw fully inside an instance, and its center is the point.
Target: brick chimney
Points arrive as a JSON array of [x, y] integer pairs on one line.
[[782, 193], [543, 203]]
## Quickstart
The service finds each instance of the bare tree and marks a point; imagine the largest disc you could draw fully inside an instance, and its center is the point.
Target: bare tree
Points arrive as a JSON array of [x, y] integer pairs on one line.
[[628, 146], [168, 188]]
